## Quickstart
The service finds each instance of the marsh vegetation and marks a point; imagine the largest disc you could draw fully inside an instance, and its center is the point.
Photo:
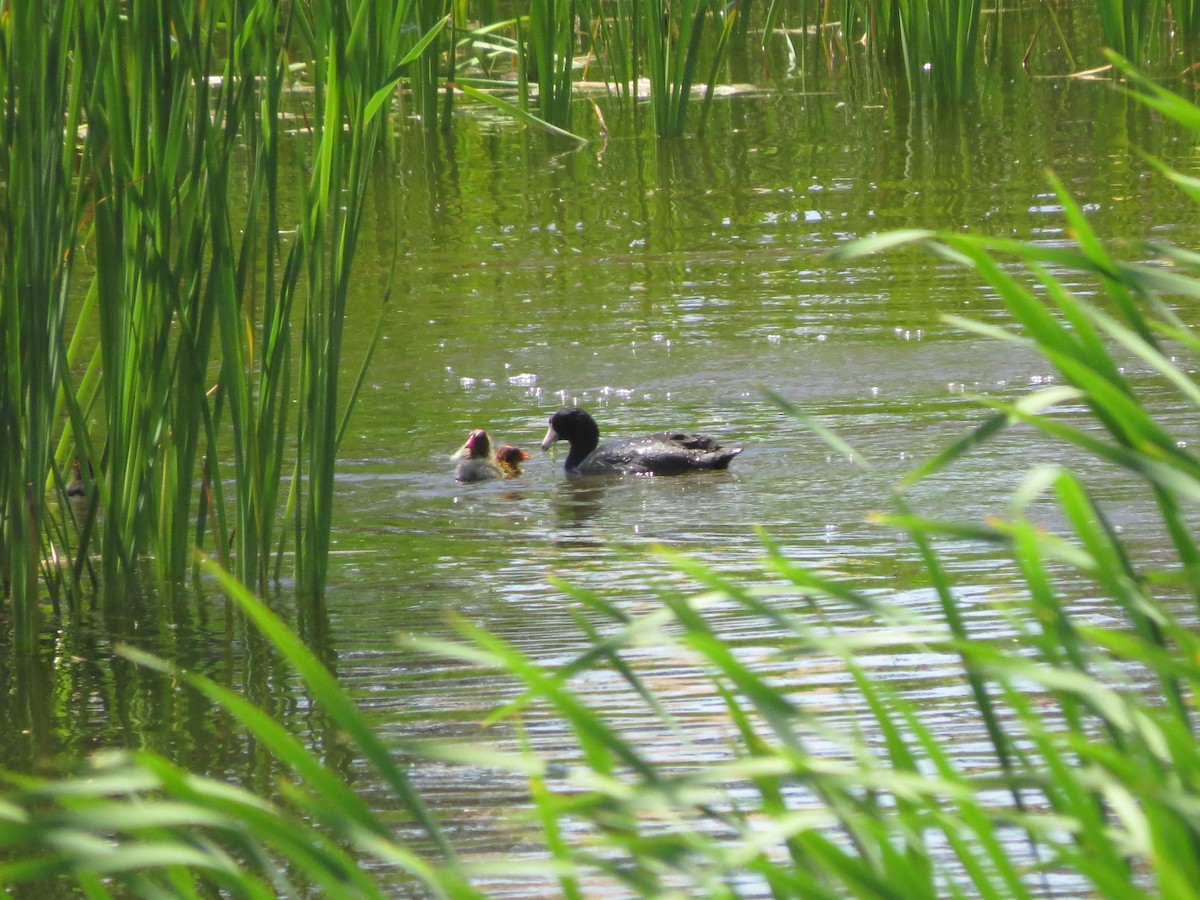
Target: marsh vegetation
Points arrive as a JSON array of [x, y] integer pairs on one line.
[[186, 190]]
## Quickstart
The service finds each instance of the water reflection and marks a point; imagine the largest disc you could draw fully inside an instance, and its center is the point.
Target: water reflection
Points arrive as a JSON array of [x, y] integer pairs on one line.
[[578, 499]]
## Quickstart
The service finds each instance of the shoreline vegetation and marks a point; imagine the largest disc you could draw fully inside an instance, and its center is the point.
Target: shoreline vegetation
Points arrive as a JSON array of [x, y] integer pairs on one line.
[[137, 295]]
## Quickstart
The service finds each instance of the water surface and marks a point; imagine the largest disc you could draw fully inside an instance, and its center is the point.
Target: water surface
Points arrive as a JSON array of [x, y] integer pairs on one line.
[[667, 286]]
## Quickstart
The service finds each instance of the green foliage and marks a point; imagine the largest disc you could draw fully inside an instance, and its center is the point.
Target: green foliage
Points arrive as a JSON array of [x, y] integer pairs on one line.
[[1124, 24], [944, 33], [143, 204], [1186, 14], [1135, 28], [933, 42], [185, 835], [674, 34], [1090, 760], [1083, 760], [618, 34], [38, 235], [551, 40], [166, 176], [670, 45]]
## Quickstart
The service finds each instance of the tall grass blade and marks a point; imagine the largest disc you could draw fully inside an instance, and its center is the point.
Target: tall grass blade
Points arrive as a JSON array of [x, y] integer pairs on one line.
[[551, 40], [41, 82], [673, 34], [327, 691], [517, 113]]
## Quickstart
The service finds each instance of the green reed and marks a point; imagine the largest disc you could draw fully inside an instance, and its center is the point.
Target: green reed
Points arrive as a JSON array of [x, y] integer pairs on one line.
[[143, 178], [426, 71], [1186, 14], [675, 47], [936, 41], [617, 32], [154, 320], [550, 57], [674, 34], [315, 833], [1085, 743], [1091, 728], [167, 175], [1083, 756], [1137, 31], [40, 73], [1127, 24]]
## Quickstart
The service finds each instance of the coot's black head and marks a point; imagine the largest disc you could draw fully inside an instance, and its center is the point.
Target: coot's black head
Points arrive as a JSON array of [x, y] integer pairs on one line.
[[574, 426], [578, 429]]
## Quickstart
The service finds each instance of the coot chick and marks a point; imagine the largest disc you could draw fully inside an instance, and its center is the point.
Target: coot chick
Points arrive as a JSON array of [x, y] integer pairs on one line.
[[667, 453], [76, 487], [475, 462], [478, 462], [509, 459]]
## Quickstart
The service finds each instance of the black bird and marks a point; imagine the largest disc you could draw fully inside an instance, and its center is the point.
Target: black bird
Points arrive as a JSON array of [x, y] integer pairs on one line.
[[666, 453]]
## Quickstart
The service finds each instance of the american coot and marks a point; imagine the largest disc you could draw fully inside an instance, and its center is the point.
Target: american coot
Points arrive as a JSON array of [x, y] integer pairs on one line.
[[477, 462], [654, 454]]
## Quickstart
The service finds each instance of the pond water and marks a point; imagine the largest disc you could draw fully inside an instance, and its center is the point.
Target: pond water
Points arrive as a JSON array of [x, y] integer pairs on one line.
[[659, 285], [665, 287]]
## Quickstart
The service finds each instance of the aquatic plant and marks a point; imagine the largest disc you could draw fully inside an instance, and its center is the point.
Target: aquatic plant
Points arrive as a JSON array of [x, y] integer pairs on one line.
[[155, 147], [151, 146], [673, 33], [1185, 15], [1082, 754], [1124, 25], [1137, 30], [934, 43], [315, 834], [616, 31], [40, 218], [1082, 735], [949, 30], [550, 56]]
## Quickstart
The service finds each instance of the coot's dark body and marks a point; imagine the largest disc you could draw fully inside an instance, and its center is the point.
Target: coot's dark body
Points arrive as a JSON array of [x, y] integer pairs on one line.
[[664, 453]]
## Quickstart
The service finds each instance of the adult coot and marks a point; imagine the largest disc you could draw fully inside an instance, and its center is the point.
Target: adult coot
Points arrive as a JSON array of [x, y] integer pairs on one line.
[[667, 453]]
